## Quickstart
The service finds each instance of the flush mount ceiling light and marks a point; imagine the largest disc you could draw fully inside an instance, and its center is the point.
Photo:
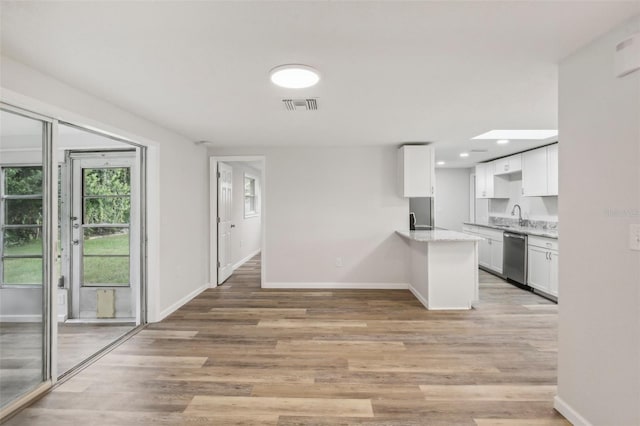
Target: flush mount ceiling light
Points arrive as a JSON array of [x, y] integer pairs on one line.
[[294, 76], [440, 163], [502, 141], [464, 154], [518, 134]]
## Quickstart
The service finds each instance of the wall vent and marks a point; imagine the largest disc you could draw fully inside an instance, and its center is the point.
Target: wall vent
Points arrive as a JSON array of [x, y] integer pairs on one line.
[[310, 104]]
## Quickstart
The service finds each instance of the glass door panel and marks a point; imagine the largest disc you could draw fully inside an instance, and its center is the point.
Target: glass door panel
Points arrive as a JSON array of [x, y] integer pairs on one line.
[[22, 296]]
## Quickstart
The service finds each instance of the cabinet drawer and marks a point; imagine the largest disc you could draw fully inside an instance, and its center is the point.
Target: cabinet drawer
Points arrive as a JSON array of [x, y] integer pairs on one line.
[[492, 234], [545, 243], [469, 229]]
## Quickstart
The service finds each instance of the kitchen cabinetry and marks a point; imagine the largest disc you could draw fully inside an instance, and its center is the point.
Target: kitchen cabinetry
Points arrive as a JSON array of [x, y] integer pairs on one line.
[[540, 172], [416, 171], [552, 169], [542, 255], [508, 165], [489, 249], [487, 185]]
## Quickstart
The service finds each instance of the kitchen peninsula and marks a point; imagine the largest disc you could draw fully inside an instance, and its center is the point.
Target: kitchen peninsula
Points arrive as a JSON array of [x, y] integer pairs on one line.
[[444, 268]]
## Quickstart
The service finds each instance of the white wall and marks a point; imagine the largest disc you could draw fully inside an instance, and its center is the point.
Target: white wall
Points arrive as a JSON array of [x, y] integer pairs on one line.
[[325, 203], [245, 237], [177, 175], [599, 323], [452, 198]]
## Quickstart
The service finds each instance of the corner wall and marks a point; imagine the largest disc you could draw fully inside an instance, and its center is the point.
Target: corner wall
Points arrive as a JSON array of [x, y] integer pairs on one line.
[[177, 179], [599, 321], [452, 198]]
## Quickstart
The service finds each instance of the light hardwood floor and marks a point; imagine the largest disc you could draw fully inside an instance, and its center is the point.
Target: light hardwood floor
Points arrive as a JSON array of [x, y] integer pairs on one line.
[[242, 355]]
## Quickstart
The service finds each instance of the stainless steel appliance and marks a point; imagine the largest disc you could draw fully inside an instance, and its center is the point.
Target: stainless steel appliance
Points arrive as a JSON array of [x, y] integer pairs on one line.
[[421, 213], [514, 265]]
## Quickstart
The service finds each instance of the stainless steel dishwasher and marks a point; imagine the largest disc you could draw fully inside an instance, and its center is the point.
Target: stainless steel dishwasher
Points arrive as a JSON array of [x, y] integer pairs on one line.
[[514, 257]]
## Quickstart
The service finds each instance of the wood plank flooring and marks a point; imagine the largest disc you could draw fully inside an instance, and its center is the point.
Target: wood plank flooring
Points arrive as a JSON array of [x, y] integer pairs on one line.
[[240, 355]]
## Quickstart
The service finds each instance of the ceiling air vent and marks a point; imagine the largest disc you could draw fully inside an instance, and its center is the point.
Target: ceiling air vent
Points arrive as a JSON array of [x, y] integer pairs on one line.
[[479, 150], [310, 104]]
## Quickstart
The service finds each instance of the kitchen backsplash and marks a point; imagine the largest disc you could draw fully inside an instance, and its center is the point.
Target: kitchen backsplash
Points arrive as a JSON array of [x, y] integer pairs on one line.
[[513, 221]]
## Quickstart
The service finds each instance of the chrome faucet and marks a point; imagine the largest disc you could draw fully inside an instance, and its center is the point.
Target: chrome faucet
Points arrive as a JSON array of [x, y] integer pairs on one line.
[[513, 213]]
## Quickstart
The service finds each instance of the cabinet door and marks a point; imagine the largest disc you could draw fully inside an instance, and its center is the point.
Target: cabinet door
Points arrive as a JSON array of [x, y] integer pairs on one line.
[[539, 269], [534, 172], [481, 190], [417, 170], [552, 169], [553, 273], [496, 256], [502, 166], [484, 255], [488, 179]]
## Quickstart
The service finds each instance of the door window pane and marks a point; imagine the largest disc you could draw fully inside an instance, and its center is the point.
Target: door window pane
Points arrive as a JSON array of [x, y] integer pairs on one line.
[[113, 181], [106, 241], [23, 212], [22, 180], [22, 270], [105, 270], [22, 241], [107, 210]]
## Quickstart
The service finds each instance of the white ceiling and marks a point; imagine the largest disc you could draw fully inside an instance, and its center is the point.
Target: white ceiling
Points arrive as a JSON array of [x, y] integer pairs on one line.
[[392, 72]]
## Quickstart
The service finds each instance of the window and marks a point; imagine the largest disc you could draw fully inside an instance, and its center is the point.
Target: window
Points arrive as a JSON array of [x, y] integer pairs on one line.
[[21, 212], [250, 197]]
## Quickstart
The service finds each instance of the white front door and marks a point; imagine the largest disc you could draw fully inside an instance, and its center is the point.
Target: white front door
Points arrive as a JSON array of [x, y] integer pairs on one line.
[[225, 186], [104, 235]]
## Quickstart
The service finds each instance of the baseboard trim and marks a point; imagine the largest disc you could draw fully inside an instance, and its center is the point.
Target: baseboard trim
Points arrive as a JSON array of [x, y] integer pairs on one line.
[[569, 413], [338, 286], [418, 296], [243, 261], [175, 306], [20, 318]]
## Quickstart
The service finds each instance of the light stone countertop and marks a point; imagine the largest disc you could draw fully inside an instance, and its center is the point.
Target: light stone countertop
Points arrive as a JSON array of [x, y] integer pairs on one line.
[[437, 235], [548, 233]]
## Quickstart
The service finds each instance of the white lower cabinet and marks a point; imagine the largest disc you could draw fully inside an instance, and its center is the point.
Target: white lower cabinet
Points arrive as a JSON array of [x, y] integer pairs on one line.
[[496, 256], [484, 253], [542, 254], [489, 249]]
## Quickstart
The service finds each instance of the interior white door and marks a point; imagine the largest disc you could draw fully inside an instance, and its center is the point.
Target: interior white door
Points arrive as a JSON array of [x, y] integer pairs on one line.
[[225, 186]]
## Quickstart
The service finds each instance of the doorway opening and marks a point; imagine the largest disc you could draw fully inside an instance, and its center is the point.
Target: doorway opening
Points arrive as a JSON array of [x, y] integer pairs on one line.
[[237, 222], [100, 227]]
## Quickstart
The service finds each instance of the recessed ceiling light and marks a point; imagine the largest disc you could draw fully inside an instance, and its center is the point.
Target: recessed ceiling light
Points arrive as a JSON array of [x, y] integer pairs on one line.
[[502, 141], [518, 134], [464, 154], [440, 163], [294, 76]]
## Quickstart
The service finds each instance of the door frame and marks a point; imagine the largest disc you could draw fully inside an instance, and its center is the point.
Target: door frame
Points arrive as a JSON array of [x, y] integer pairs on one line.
[[119, 158], [213, 212]]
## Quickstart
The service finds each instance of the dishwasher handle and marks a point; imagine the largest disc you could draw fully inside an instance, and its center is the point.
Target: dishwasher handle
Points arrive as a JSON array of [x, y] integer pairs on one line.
[[518, 236]]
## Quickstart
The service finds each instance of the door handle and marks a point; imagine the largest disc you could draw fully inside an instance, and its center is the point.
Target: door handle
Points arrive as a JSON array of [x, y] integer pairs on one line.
[[232, 225], [76, 225], [76, 242]]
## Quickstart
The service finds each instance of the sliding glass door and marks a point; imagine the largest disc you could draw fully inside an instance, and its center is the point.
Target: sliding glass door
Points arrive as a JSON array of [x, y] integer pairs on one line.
[[23, 252]]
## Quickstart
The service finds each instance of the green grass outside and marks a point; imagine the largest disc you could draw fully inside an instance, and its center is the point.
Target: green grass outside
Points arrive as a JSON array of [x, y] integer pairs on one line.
[[102, 270]]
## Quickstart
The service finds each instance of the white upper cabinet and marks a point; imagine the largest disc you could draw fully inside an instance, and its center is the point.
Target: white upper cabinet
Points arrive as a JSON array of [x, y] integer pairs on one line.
[[540, 172], [552, 172], [416, 167], [487, 185], [508, 165]]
